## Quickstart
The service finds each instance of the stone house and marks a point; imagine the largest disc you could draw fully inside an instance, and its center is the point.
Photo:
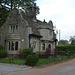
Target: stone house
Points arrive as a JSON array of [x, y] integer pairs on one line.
[[24, 31]]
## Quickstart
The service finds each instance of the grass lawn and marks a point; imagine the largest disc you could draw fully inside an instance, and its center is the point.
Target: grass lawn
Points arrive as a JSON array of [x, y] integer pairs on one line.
[[50, 60], [15, 61], [41, 61]]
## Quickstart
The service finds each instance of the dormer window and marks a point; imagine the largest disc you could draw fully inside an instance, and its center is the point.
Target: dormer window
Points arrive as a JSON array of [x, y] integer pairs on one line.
[[13, 29]]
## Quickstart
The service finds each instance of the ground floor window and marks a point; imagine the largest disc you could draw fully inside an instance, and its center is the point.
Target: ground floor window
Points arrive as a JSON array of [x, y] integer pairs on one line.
[[9, 45], [43, 46], [16, 45], [13, 45]]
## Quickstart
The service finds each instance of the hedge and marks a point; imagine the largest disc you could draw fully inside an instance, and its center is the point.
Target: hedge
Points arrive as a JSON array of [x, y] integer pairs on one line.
[[63, 50], [1, 47]]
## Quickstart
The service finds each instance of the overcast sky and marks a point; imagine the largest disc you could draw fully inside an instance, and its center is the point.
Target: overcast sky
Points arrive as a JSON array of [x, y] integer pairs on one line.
[[61, 12]]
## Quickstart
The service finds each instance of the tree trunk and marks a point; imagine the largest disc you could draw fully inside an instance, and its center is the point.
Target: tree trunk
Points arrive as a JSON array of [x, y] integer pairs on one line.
[[11, 4]]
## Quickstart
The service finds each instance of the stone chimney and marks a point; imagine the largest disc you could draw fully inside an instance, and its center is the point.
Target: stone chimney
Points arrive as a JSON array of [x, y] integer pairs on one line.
[[32, 12]]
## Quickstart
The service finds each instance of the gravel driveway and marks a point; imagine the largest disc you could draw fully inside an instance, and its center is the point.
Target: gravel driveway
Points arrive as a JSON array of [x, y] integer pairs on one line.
[[7, 68]]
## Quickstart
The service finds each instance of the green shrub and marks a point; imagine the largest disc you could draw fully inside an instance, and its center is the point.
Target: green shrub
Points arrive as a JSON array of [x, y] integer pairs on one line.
[[32, 60], [1, 47], [37, 58], [3, 53], [66, 49], [38, 53], [27, 51]]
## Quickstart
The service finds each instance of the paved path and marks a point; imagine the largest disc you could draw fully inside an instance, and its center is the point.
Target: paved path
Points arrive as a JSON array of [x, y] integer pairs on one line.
[[7, 68], [66, 68]]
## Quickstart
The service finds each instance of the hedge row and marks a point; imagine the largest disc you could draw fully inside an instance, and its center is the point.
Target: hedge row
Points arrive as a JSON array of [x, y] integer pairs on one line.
[[1, 47], [63, 50]]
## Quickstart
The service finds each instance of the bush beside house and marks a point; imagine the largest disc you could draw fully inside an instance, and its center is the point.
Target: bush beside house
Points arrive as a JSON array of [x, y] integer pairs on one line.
[[1, 47], [3, 53], [26, 52]]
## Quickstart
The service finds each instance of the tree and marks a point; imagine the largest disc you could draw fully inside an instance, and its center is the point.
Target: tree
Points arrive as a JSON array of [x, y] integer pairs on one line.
[[63, 42], [19, 3], [72, 40], [3, 15], [8, 5]]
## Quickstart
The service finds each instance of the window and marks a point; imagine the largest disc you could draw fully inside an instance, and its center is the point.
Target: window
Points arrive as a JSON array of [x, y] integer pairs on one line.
[[16, 45], [13, 45], [43, 46], [16, 28], [13, 29], [9, 45]]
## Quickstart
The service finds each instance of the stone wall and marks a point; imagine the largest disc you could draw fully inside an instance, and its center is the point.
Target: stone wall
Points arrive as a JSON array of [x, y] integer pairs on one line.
[[46, 34]]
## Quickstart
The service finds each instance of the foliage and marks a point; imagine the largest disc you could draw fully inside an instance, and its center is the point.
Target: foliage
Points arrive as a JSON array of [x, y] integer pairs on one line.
[[44, 56], [37, 58], [27, 51], [72, 40], [63, 42], [66, 49], [3, 15], [24, 4], [1, 47], [19, 3], [3, 53], [32, 60], [39, 53]]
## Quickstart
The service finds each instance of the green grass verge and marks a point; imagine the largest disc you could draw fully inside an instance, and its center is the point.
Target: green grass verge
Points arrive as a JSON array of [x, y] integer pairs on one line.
[[15, 61], [41, 61]]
